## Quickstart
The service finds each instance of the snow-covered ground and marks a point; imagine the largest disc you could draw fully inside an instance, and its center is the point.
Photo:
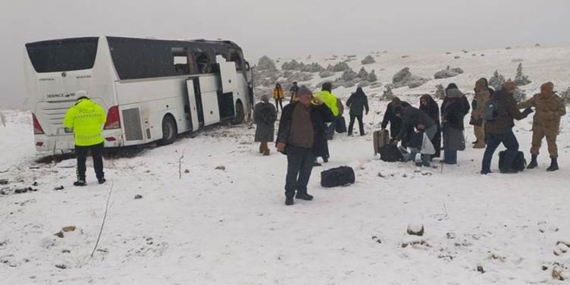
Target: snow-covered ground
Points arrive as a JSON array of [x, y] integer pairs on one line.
[[224, 221]]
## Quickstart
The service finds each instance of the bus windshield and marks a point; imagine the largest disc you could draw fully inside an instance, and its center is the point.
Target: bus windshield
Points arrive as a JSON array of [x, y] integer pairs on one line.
[[63, 55]]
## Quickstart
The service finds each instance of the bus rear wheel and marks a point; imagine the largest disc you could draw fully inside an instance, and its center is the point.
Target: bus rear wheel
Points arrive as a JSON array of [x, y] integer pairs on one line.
[[168, 131], [240, 114]]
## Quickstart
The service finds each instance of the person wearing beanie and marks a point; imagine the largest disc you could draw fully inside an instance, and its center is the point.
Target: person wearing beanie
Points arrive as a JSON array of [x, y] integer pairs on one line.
[[264, 116], [86, 119], [546, 123], [301, 136], [500, 130]]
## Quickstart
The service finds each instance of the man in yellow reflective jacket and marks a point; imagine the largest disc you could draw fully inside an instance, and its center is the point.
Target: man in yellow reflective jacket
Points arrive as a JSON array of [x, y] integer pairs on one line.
[[86, 118], [326, 96]]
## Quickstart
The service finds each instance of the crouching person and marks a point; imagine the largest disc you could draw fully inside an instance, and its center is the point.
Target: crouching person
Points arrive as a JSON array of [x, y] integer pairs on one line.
[[415, 118], [86, 119], [301, 134], [546, 123]]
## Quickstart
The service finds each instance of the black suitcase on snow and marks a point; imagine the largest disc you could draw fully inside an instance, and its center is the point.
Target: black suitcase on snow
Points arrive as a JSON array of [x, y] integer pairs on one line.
[[518, 164], [339, 176]]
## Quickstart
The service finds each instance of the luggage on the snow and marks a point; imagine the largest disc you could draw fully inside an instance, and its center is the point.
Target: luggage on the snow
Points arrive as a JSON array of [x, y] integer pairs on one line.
[[338, 176], [340, 125], [380, 138], [390, 153], [519, 163]]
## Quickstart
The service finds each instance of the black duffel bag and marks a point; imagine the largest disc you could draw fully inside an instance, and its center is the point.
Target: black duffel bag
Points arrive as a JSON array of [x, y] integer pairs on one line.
[[339, 176], [519, 163], [390, 153]]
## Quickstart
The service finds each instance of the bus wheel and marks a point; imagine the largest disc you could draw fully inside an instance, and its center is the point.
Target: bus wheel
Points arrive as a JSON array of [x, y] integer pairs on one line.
[[240, 114], [168, 131]]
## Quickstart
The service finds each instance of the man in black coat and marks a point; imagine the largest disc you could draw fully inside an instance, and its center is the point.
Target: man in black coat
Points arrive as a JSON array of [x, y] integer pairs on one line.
[[357, 103], [301, 135], [395, 121]]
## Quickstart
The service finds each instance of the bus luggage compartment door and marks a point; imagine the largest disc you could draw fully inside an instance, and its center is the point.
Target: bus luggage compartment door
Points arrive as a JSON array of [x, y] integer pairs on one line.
[[193, 105], [209, 96]]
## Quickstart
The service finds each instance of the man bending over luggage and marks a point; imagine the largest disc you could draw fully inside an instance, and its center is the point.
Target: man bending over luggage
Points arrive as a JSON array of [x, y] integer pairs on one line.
[[301, 134]]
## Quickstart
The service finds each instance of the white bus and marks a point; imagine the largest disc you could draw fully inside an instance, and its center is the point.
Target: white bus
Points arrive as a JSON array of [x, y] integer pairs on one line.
[[152, 89]]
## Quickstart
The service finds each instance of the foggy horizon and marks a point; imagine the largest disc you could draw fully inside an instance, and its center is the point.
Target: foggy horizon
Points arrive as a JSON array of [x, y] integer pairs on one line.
[[289, 29]]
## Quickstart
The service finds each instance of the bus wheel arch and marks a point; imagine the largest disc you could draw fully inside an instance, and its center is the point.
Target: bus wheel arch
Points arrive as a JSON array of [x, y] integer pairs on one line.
[[169, 130], [240, 113]]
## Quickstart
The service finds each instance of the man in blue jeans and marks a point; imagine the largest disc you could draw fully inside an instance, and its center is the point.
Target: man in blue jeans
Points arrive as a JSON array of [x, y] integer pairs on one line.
[[500, 130]]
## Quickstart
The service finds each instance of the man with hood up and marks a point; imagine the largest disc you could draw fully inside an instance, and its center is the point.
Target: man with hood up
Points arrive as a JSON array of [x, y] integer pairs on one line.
[[357, 102], [86, 119], [482, 94], [546, 123]]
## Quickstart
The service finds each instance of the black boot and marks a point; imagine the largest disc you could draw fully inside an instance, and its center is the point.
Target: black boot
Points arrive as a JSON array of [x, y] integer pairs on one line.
[[289, 201], [553, 164], [304, 196], [533, 163]]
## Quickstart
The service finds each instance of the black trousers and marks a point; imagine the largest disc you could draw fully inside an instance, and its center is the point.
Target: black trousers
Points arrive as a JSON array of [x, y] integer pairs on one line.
[[279, 102], [360, 124], [96, 153], [299, 167]]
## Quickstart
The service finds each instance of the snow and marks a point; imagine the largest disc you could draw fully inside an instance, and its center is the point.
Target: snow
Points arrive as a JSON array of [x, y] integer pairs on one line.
[[230, 225]]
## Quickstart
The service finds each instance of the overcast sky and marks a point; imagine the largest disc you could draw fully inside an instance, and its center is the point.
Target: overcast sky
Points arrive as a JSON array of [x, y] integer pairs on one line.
[[284, 28]]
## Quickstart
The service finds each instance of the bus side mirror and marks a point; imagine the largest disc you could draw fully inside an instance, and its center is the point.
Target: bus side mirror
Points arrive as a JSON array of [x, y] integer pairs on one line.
[[247, 66]]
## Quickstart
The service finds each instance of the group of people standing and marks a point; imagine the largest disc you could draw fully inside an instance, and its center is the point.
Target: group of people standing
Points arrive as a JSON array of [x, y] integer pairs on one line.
[[306, 124], [444, 125]]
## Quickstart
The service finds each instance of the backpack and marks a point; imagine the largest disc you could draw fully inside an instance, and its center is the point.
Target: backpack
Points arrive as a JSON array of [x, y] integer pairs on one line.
[[339, 176], [490, 110], [519, 163]]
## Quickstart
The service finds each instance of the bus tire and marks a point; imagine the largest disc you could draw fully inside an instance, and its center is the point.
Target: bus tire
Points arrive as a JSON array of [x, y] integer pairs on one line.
[[168, 130], [240, 114]]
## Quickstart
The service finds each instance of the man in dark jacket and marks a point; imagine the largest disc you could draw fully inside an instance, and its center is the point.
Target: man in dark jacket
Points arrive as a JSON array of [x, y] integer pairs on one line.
[[395, 121], [416, 118], [301, 134], [500, 130], [357, 103]]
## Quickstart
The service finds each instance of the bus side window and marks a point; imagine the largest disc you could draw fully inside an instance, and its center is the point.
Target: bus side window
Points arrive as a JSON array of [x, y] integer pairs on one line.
[[180, 60], [234, 56], [203, 62]]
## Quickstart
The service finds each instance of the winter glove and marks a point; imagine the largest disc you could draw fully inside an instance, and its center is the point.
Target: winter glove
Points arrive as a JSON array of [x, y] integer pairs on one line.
[[527, 111]]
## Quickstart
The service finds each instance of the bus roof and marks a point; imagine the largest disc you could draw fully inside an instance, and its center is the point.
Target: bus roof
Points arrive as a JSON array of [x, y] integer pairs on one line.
[[179, 42]]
